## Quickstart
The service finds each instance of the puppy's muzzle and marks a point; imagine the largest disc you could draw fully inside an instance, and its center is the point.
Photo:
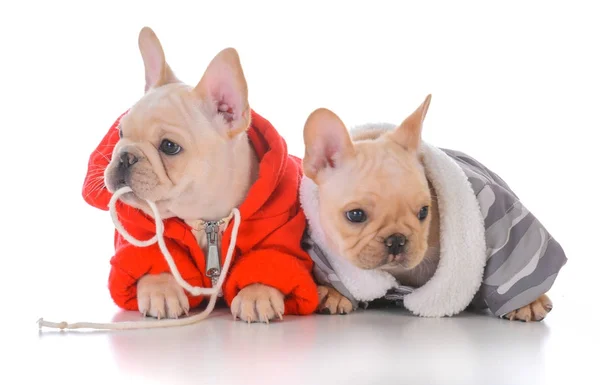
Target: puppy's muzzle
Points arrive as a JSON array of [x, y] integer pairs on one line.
[[395, 244], [127, 160], [122, 172]]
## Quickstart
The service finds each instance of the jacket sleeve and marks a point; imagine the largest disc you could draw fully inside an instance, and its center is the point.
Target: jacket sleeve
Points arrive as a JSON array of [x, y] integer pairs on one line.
[[130, 263], [523, 259], [94, 191], [278, 261]]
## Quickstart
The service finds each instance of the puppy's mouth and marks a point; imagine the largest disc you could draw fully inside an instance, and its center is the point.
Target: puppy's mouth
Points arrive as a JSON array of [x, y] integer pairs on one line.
[[119, 184], [396, 260], [404, 260], [117, 181], [383, 260], [128, 197], [139, 177]]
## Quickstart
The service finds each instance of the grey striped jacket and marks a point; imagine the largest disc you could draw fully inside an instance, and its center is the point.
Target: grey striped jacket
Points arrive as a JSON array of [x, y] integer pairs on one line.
[[509, 257]]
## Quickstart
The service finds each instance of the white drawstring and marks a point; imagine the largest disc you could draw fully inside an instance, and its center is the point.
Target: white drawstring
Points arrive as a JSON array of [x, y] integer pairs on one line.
[[193, 290]]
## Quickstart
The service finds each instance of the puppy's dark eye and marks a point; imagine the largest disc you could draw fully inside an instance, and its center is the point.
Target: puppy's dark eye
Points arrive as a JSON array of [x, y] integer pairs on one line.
[[120, 132], [356, 216], [423, 213], [169, 148]]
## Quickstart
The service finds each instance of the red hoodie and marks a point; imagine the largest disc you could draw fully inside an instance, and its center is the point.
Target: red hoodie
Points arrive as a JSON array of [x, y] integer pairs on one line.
[[268, 248]]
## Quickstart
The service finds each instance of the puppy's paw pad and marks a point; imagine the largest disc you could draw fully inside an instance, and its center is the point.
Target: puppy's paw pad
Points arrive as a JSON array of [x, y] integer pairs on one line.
[[535, 311], [160, 296], [258, 303], [332, 302]]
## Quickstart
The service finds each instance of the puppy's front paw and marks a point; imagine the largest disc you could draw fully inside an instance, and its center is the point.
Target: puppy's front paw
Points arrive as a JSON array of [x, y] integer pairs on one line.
[[535, 311], [161, 296], [332, 302], [258, 303]]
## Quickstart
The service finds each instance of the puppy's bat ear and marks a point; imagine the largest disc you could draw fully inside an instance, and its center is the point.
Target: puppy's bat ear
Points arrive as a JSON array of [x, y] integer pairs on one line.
[[158, 72], [327, 142], [224, 90], [408, 134]]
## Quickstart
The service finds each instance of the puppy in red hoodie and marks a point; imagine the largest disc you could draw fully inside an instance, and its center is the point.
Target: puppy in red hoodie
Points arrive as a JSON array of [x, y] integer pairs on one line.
[[198, 152]]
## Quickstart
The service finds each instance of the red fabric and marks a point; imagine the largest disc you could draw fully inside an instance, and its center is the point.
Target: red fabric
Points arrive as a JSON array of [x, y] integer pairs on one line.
[[268, 248]]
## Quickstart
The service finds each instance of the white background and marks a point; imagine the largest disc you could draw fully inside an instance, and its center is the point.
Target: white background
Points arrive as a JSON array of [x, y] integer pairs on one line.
[[515, 84]]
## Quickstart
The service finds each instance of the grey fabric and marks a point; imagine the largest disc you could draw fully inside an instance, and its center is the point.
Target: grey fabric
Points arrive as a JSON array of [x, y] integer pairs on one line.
[[523, 259], [324, 273]]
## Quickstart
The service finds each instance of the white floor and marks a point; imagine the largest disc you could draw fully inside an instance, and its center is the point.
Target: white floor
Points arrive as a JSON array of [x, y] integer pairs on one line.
[[376, 346]]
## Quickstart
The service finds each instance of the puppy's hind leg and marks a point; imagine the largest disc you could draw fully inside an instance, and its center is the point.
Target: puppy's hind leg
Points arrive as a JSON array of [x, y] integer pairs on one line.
[[535, 311]]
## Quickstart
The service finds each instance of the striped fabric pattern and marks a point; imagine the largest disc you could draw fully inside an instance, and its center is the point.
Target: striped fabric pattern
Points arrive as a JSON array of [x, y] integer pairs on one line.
[[523, 259]]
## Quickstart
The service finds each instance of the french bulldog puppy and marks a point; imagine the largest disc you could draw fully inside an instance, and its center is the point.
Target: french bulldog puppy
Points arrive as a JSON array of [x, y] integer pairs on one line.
[[197, 152], [378, 209]]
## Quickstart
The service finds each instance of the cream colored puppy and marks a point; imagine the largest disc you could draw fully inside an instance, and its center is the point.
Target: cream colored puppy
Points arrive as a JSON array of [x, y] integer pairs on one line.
[[202, 181], [377, 208]]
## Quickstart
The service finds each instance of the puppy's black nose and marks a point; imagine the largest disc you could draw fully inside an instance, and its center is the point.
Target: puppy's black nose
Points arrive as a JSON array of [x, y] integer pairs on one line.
[[395, 243], [126, 159]]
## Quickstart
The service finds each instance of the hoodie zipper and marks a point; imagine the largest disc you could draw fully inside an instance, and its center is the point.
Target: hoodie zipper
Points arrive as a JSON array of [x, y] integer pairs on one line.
[[213, 260]]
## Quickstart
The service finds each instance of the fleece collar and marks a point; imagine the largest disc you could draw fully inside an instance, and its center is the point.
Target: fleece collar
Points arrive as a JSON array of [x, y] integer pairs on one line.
[[462, 244]]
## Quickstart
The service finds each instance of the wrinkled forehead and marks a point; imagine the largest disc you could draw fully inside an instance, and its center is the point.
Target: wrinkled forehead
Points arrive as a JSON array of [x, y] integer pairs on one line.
[[167, 109], [379, 175], [386, 161], [389, 182]]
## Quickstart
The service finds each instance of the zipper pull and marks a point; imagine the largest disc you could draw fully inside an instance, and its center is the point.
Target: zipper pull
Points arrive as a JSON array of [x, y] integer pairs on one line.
[[213, 262]]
